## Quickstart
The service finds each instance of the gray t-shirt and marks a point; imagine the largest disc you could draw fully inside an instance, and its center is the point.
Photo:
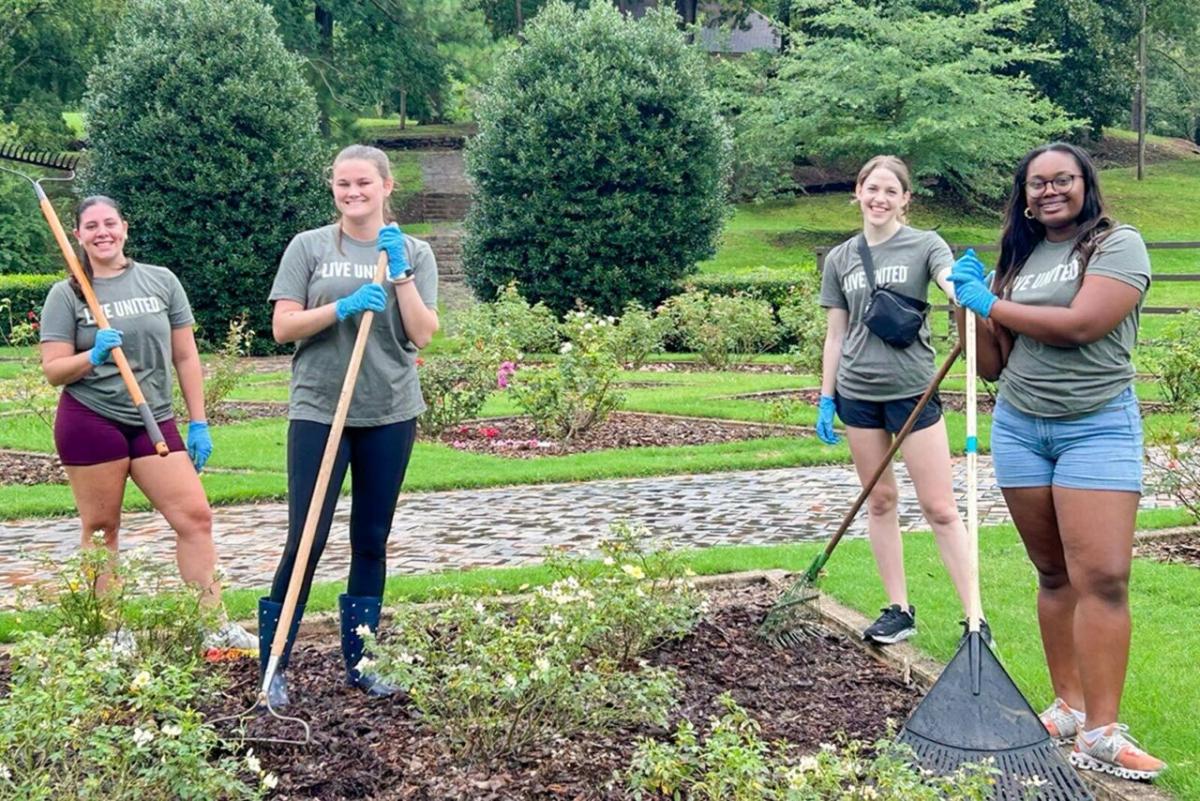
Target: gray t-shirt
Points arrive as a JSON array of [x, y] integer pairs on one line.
[[315, 272], [144, 303], [1049, 381], [870, 369]]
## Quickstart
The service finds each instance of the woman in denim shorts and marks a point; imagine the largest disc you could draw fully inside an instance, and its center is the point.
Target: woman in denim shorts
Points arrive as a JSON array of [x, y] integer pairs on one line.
[[1059, 324], [873, 386]]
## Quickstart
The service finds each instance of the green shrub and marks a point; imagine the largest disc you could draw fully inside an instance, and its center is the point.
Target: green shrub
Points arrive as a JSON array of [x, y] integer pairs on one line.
[[803, 322], [733, 763], [24, 294], [456, 387], [27, 392], [577, 391], [721, 328], [201, 125], [638, 334], [28, 244], [224, 371], [600, 163], [510, 324], [1177, 362], [498, 680], [85, 718]]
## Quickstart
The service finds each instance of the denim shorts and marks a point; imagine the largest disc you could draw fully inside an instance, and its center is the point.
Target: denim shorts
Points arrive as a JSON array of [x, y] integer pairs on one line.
[[1099, 451], [888, 415]]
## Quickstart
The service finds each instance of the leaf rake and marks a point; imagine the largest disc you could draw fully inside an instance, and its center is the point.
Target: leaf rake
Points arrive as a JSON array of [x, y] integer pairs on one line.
[[792, 618]]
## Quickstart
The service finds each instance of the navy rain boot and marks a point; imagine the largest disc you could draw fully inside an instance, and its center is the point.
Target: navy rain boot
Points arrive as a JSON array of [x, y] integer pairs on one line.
[[269, 613], [359, 611]]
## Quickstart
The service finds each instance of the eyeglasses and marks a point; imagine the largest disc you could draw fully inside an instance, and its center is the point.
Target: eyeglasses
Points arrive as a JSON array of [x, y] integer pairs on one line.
[[1061, 183]]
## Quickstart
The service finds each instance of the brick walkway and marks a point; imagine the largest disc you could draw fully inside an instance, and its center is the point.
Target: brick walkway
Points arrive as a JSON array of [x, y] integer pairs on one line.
[[512, 525]]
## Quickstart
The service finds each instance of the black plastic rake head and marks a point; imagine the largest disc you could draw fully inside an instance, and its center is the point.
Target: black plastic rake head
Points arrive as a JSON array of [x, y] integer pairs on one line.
[[39, 158]]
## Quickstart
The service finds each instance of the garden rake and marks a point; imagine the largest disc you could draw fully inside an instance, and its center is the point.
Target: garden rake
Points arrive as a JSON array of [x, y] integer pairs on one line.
[[791, 617], [974, 712], [311, 521], [67, 163]]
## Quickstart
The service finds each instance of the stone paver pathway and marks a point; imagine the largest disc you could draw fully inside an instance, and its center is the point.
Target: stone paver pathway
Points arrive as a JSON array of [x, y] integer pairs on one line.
[[512, 525]]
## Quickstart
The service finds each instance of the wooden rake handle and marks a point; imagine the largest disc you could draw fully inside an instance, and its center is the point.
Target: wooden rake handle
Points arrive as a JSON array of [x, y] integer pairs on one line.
[[886, 462], [89, 297], [317, 504]]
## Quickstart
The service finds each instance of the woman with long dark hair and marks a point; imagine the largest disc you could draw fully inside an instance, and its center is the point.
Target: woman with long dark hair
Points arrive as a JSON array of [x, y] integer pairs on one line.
[[324, 284], [1059, 324], [99, 435]]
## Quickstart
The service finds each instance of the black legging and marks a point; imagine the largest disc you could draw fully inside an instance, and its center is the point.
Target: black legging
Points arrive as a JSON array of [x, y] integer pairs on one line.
[[378, 457]]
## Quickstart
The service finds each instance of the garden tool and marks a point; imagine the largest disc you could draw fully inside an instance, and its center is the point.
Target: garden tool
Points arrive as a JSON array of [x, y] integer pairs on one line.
[[289, 613], [974, 711], [67, 163], [791, 617], [358, 611]]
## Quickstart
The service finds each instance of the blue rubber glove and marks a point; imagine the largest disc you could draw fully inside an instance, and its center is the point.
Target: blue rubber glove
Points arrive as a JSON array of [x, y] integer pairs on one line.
[[967, 267], [368, 297], [825, 413], [391, 241], [106, 340], [199, 444], [973, 294]]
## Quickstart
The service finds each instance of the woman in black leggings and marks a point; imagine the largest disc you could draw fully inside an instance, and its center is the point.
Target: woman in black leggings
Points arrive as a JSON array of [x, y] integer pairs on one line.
[[324, 283]]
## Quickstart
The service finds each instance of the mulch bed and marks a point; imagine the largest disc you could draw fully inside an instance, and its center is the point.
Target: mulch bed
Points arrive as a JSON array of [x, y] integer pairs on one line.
[[18, 467], [1184, 549], [365, 749], [516, 437]]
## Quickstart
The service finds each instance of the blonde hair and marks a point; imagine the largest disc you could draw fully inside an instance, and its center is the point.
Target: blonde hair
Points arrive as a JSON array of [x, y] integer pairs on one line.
[[383, 166], [893, 165]]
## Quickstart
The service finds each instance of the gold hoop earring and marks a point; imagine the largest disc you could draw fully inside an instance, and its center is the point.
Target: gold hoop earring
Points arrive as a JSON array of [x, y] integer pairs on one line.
[[1028, 213]]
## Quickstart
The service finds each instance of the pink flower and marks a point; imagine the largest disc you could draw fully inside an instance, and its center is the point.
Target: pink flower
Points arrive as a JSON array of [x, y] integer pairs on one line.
[[489, 432], [504, 373]]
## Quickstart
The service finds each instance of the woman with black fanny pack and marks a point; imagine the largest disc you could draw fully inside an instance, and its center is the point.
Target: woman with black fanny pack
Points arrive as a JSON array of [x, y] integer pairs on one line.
[[873, 379]]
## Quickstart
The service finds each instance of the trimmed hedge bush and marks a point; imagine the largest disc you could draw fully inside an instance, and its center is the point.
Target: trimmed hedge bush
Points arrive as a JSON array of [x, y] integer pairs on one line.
[[27, 293], [201, 125], [600, 165]]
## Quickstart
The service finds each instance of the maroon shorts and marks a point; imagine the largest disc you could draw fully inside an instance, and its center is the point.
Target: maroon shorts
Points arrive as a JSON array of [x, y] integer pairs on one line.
[[84, 437]]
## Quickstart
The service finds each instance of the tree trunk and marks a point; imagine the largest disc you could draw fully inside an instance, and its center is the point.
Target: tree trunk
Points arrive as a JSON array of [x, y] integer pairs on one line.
[[403, 107], [1141, 93], [520, 15], [323, 19]]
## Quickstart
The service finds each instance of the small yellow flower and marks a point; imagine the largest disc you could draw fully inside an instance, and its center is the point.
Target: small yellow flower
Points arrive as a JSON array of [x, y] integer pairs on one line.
[[140, 681], [633, 571]]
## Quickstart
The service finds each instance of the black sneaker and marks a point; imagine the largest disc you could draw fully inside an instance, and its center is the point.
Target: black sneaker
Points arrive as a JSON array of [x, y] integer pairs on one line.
[[985, 632], [892, 626]]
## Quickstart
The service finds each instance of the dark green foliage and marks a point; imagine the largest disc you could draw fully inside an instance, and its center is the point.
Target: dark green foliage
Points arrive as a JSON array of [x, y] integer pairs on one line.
[[600, 163], [202, 127], [26, 244], [26, 293]]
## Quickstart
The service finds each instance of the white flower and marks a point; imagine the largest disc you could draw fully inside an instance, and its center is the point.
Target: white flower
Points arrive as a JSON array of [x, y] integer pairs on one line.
[[364, 664], [270, 781], [363, 630], [5, 773], [587, 326], [406, 658], [142, 736], [1035, 781], [611, 319], [555, 619], [252, 762], [566, 348], [870, 793], [633, 571], [609, 561], [510, 681], [542, 664], [478, 607], [172, 730], [140, 681]]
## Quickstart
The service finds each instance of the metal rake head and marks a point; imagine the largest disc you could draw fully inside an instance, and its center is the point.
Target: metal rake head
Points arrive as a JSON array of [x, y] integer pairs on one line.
[[794, 617], [39, 158]]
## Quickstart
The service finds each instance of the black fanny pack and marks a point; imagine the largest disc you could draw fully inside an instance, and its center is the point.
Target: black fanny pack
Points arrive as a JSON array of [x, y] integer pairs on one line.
[[894, 318]]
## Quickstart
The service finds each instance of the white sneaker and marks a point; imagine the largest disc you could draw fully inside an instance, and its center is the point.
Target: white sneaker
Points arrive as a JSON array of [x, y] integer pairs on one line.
[[231, 635]]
